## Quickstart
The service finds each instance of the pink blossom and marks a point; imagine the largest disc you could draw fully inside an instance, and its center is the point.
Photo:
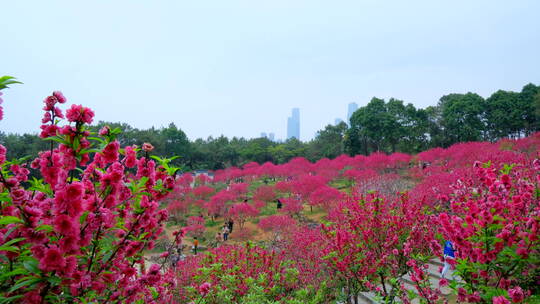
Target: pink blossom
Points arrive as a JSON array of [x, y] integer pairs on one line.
[[110, 152], [204, 288], [2, 154], [147, 147], [52, 260], [78, 113], [104, 131], [131, 157], [66, 225], [59, 96], [500, 300], [74, 191], [516, 294]]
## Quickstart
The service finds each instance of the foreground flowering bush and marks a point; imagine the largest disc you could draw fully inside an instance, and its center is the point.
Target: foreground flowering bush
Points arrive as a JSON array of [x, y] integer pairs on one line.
[[494, 227], [372, 242], [244, 274], [78, 234]]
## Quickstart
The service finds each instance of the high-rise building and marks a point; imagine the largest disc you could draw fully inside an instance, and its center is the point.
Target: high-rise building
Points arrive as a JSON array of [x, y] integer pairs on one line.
[[337, 121], [352, 108], [289, 128], [271, 136], [293, 124], [263, 134]]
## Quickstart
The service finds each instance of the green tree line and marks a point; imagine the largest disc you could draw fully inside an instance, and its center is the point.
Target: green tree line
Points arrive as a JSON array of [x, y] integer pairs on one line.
[[392, 126], [385, 126]]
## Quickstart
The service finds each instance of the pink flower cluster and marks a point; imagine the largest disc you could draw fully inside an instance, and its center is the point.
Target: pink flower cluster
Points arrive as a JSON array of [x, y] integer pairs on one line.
[[1, 109], [87, 223], [80, 114], [494, 224]]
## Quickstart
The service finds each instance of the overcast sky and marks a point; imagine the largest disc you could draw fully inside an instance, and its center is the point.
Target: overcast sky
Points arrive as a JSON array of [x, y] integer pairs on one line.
[[238, 67]]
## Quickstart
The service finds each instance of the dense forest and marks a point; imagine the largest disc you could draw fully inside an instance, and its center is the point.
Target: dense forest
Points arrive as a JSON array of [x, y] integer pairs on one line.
[[386, 126]]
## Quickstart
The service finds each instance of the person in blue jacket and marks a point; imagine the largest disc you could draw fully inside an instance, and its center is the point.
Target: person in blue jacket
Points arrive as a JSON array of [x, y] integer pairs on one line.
[[448, 254]]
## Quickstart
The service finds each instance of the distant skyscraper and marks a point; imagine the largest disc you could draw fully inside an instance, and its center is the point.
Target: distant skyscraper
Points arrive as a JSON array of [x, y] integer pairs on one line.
[[293, 124], [338, 121], [263, 134], [271, 136], [352, 108]]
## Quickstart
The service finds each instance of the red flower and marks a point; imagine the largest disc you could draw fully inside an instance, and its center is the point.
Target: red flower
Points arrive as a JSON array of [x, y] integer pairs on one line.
[[66, 225], [500, 300], [74, 191], [204, 288], [52, 260], [78, 113], [110, 153], [2, 154], [516, 294], [59, 96]]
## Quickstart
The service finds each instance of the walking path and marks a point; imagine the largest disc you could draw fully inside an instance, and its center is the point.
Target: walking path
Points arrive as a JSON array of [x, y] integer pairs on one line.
[[434, 277]]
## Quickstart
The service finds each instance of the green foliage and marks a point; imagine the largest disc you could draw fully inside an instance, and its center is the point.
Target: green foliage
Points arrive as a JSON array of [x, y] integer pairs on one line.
[[462, 117], [6, 81], [328, 143], [164, 162], [387, 126]]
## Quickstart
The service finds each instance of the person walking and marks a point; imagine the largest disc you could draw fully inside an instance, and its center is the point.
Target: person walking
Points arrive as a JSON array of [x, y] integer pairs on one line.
[[175, 257], [225, 232], [195, 245], [179, 256], [230, 224], [448, 255]]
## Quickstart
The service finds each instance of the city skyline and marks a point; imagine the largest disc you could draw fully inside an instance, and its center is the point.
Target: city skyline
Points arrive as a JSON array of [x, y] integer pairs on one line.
[[351, 108], [293, 124]]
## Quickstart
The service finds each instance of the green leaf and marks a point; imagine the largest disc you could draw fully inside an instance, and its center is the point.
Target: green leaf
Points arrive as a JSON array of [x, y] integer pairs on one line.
[[115, 131], [11, 242], [54, 280], [5, 81], [6, 220], [9, 248], [21, 160], [155, 294], [47, 228], [31, 265], [85, 151], [4, 197], [25, 282], [156, 158], [10, 299], [97, 139], [76, 143], [83, 217], [13, 273], [10, 231], [58, 139]]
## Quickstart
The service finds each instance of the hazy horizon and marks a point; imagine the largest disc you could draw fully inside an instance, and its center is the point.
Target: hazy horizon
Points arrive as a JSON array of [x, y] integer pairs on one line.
[[238, 68]]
